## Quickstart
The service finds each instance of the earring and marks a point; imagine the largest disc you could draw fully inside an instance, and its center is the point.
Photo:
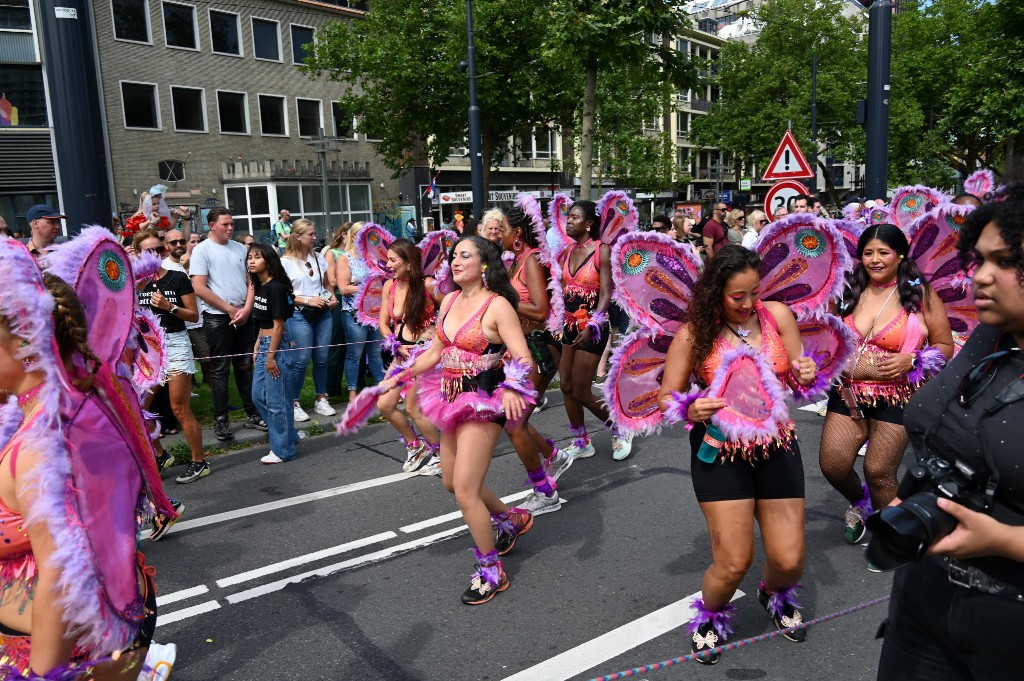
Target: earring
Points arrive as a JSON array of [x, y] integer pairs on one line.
[[517, 245], [483, 277]]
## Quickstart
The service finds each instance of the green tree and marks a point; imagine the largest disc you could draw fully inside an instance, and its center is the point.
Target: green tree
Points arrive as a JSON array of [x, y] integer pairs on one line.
[[767, 85]]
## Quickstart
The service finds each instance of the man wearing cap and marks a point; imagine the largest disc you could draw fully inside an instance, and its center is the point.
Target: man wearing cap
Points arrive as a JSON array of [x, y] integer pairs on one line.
[[45, 223]]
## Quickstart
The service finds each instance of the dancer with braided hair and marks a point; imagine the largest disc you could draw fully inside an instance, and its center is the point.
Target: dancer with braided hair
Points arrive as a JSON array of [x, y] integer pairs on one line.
[[74, 459], [903, 336]]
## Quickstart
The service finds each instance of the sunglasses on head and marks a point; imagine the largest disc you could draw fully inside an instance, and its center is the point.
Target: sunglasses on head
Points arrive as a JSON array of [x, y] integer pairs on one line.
[[176, 242], [980, 377]]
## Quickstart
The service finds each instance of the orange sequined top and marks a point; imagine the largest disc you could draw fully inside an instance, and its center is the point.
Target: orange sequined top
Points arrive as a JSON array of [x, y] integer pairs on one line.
[[904, 333], [519, 279], [585, 282], [771, 348]]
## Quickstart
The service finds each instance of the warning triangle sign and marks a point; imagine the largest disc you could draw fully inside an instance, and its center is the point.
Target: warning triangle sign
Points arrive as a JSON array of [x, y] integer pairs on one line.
[[788, 163]]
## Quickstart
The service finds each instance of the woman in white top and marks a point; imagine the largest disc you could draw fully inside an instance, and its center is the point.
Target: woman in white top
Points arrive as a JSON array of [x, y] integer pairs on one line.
[[311, 328], [756, 221]]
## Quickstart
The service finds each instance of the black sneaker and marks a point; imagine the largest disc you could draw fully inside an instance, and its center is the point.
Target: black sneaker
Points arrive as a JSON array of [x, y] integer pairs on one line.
[[234, 407], [222, 429], [162, 525], [195, 470], [480, 590], [508, 532], [789, 616], [703, 640], [164, 462], [254, 422]]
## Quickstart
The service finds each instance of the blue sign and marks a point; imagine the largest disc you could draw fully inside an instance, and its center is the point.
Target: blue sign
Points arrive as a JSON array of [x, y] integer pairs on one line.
[[725, 196]]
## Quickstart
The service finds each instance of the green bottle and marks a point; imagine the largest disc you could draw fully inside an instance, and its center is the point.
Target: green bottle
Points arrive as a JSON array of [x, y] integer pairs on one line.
[[714, 438]]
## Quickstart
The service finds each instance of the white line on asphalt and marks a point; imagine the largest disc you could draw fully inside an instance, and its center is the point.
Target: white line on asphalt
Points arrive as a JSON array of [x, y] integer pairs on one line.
[[302, 560], [176, 596], [285, 503], [814, 406], [617, 641], [447, 517], [374, 557], [185, 613]]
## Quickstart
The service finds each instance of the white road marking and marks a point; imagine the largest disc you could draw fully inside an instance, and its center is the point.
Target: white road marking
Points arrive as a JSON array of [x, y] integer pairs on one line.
[[302, 560], [815, 406], [616, 642], [448, 517], [176, 596], [284, 503], [376, 556], [185, 613]]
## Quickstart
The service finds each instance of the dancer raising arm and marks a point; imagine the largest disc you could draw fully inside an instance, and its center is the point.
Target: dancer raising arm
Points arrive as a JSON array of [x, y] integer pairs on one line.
[[760, 479], [473, 396]]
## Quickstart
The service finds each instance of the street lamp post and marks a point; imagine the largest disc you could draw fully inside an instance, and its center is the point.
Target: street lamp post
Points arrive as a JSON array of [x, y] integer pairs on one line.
[[476, 160]]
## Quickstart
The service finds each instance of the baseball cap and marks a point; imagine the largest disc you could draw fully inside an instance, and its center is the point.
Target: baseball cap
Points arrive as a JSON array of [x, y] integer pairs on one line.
[[42, 210]]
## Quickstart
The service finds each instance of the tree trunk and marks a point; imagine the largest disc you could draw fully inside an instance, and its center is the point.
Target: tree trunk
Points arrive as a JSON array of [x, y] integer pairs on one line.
[[587, 131]]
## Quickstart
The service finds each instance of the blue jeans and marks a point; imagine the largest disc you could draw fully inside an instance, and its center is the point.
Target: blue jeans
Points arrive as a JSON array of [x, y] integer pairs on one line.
[[306, 336], [272, 398], [361, 339]]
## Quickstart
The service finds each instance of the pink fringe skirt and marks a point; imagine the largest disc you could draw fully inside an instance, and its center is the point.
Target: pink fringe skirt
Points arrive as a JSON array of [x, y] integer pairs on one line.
[[468, 405]]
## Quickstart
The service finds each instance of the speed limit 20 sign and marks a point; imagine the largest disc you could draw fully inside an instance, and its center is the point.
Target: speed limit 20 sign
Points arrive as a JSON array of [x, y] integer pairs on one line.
[[780, 194]]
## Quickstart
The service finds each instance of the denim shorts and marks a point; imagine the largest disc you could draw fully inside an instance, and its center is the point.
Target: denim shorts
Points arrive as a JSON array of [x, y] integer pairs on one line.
[[178, 352]]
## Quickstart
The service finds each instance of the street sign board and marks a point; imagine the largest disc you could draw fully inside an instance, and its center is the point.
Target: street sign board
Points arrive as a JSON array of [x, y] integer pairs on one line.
[[725, 196], [745, 184], [788, 163], [779, 195], [456, 197]]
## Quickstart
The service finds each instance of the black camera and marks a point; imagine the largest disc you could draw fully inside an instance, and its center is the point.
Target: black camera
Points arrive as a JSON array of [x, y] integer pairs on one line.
[[901, 534]]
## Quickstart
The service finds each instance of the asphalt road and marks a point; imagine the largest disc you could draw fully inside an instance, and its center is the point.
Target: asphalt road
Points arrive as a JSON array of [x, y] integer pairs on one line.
[[339, 566]]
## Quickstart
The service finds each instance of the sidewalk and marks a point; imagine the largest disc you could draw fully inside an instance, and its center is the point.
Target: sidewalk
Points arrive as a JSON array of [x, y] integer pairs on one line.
[[246, 437]]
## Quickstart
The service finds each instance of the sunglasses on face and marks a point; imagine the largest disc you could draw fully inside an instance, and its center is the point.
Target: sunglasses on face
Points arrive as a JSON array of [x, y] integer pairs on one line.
[[159, 250], [980, 377], [177, 242], [763, 222]]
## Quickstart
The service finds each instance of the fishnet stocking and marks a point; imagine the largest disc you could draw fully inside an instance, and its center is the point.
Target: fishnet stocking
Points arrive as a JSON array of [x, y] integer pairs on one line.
[[841, 437], [888, 442]]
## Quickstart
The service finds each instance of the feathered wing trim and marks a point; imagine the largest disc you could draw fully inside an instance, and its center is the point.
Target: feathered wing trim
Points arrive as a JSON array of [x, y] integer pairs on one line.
[[11, 418], [811, 393], [66, 260], [980, 183], [517, 378], [445, 282], [391, 344], [556, 315], [679, 406], [558, 213], [739, 427], [929, 361], [369, 243], [652, 250], [595, 323], [852, 213], [529, 205], [719, 619], [618, 215], [150, 361], [359, 410], [144, 266], [372, 286]]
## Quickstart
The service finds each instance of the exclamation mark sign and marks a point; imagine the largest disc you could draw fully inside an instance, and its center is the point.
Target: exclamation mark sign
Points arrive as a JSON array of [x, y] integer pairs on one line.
[[786, 159]]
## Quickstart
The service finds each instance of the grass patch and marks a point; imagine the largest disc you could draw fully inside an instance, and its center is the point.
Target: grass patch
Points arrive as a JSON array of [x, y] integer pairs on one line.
[[202, 406]]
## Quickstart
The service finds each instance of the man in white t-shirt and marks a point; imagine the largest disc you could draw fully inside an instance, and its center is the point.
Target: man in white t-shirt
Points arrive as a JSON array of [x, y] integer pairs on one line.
[[221, 281]]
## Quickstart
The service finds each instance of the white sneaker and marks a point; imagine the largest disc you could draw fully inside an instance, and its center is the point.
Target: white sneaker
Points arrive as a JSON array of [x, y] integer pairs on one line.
[[622, 447], [558, 463], [271, 458], [539, 504], [300, 414], [584, 452], [433, 466], [863, 449], [159, 662], [323, 407], [415, 457]]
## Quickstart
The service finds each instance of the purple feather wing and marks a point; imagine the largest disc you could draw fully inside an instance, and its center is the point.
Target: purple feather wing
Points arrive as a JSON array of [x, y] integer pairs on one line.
[[756, 403], [980, 183], [558, 216], [879, 215], [829, 342], [149, 357], [654, 277], [369, 298], [359, 410], [850, 230], [803, 263], [434, 249], [371, 244], [635, 372], [933, 240], [910, 203], [617, 214]]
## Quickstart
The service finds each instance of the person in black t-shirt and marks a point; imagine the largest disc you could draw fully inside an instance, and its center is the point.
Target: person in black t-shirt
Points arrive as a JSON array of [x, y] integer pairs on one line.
[[169, 295], [271, 389], [956, 613]]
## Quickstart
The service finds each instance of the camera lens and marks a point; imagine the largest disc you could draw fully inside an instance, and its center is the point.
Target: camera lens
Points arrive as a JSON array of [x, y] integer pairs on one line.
[[901, 534]]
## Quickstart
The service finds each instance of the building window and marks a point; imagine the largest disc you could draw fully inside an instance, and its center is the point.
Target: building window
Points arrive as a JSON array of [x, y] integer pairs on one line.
[[343, 122], [171, 171], [224, 31], [131, 20], [233, 111], [189, 106], [371, 135], [272, 116], [180, 26], [301, 36], [22, 99], [141, 106], [266, 39], [539, 143], [250, 208], [310, 118]]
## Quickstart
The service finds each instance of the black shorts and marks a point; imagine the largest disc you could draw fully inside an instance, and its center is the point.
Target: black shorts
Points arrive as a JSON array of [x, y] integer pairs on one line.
[[780, 476], [570, 333], [885, 412]]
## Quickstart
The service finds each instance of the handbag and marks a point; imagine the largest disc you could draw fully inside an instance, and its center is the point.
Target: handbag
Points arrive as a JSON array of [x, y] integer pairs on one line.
[[313, 314]]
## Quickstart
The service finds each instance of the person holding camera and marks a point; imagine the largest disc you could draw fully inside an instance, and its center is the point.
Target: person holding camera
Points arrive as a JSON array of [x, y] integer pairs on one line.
[[902, 335], [956, 612], [311, 328]]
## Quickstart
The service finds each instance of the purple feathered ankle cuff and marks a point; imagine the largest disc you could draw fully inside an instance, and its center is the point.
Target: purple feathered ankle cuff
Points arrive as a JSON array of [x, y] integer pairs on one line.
[[778, 601], [517, 378], [927, 362], [718, 618], [679, 405], [488, 566], [579, 435], [864, 505], [503, 523]]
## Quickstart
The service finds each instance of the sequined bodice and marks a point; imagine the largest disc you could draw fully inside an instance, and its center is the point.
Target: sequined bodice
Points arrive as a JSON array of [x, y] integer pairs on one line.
[[772, 349], [470, 336], [889, 338], [519, 279], [586, 281]]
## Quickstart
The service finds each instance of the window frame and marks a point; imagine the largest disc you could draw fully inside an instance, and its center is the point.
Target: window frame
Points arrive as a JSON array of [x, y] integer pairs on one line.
[[284, 113], [334, 120], [238, 28], [280, 45], [203, 104], [149, 26], [245, 105], [291, 39], [298, 116], [195, 25], [156, 104]]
